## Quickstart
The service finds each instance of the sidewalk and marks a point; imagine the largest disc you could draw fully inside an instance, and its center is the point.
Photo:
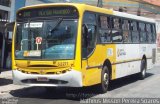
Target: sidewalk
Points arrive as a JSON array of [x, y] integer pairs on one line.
[[6, 83], [157, 63]]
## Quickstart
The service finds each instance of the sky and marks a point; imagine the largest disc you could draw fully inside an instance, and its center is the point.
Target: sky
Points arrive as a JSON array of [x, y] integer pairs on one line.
[[19, 4]]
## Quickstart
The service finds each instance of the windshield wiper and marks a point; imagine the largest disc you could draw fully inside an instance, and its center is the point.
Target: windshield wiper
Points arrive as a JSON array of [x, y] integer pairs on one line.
[[57, 24]]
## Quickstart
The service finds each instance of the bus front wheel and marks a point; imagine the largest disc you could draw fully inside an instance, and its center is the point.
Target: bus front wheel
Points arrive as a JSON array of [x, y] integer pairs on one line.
[[103, 86]]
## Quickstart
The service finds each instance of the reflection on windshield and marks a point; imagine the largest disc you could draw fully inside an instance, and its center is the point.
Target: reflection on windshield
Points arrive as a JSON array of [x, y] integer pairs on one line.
[[46, 39]]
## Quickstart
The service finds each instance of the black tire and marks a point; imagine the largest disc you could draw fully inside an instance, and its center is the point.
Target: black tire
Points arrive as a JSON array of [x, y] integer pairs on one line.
[[105, 79], [56, 89], [142, 74], [50, 89]]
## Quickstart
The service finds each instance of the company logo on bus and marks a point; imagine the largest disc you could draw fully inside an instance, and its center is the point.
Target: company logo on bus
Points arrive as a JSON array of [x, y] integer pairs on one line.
[[121, 52]]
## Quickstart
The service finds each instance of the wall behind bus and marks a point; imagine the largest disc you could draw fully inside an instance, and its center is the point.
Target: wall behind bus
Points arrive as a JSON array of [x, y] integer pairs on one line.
[[158, 39], [158, 32]]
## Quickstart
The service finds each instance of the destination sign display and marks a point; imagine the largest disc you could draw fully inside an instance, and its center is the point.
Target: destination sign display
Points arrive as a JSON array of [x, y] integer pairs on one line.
[[47, 12]]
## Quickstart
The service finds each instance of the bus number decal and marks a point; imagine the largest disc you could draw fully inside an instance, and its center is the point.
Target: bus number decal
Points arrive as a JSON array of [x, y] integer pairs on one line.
[[62, 63]]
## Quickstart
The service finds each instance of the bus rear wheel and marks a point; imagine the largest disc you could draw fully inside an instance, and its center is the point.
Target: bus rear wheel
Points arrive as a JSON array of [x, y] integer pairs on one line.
[[142, 74], [103, 86]]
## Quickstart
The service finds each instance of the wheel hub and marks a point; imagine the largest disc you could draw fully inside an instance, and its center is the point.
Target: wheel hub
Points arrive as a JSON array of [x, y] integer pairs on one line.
[[105, 79]]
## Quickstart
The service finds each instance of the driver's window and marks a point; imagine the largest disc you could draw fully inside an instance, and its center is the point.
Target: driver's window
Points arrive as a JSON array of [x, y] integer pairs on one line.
[[88, 34]]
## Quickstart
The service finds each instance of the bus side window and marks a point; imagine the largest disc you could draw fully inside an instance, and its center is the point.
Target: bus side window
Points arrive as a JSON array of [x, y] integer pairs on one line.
[[116, 29], [135, 33], [153, 33], [104, 29], [89, 34], [127, 38], [143, 35], [19, 38], [149, 32]]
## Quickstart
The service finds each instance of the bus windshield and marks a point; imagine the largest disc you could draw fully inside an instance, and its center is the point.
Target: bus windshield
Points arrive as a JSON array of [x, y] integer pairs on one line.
[[46, 39]]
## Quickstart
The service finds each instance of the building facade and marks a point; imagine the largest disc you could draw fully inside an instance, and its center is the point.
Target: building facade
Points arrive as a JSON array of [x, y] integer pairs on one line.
[[6, 14], [7, 8]]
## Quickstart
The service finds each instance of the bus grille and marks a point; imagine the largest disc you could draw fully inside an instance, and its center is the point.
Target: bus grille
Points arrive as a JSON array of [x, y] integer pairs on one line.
[[51, 81]]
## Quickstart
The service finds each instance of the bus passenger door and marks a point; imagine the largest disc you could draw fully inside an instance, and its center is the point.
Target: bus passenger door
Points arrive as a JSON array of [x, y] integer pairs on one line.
[[89, 31], [89, 56]]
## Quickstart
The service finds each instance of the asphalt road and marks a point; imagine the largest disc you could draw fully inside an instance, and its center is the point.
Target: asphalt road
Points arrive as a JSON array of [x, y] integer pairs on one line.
[[128, 87]]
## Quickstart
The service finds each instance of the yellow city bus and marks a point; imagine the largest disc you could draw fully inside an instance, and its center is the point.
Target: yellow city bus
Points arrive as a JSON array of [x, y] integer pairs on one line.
[[78, 45]]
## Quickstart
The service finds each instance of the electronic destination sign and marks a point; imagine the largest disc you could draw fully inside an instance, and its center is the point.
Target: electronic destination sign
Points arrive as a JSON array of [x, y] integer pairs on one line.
[[47, 12]]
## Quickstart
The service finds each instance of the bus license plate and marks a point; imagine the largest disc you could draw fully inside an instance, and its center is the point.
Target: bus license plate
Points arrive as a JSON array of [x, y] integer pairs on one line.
[[44, 79]]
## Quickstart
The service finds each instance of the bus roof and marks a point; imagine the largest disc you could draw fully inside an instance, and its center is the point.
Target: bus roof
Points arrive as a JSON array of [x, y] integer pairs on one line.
[[95, 9], [131, 16], [79, 6]]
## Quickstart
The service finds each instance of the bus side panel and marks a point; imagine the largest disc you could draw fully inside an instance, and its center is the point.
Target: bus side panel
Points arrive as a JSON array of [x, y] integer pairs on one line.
[[151, 50], [128, 59], [149, 55], [93, 66], [90, 76]]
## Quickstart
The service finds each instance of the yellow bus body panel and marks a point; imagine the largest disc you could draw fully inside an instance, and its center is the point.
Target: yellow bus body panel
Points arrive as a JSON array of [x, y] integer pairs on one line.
[[92, 75]]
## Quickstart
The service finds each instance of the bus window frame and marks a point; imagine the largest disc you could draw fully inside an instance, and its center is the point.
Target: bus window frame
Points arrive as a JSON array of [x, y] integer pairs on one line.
[[149, 41], [129, 30], [132, 30], [47, 19], [120, 29], [99, 28], [142, 32], [96, 33], [154, 32]]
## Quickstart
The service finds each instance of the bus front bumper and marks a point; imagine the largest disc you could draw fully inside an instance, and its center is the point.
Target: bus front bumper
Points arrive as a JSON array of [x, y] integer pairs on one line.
[[72, 78]]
